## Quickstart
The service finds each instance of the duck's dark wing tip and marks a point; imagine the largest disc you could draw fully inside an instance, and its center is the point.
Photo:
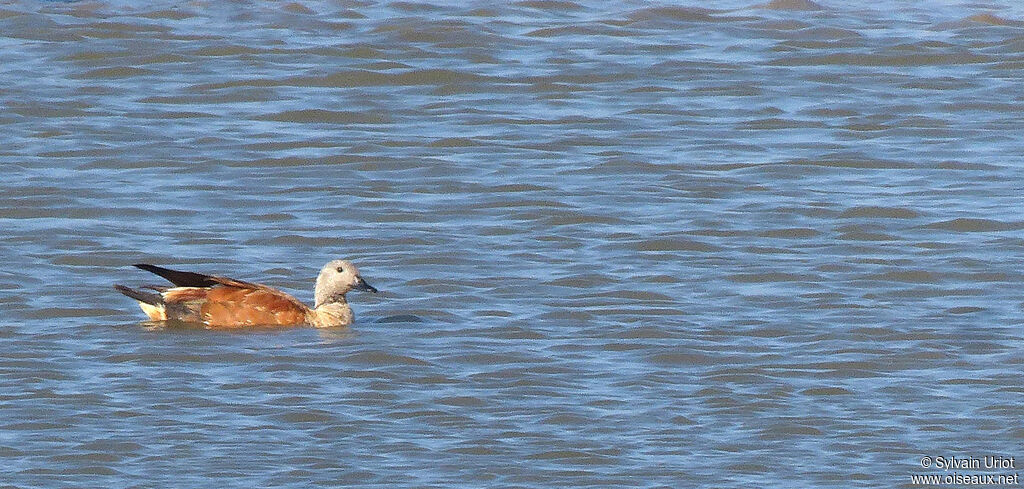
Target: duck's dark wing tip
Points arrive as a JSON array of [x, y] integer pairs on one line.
[[179, 278]]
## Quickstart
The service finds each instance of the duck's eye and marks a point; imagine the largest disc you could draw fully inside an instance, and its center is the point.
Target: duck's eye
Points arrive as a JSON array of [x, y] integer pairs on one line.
[[340, 270]]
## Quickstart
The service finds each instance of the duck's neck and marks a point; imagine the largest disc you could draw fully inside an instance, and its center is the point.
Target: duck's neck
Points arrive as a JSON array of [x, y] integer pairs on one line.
[[331, 314]]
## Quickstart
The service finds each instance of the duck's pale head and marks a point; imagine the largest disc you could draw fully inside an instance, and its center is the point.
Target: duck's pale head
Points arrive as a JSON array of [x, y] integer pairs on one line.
[[336, 279]]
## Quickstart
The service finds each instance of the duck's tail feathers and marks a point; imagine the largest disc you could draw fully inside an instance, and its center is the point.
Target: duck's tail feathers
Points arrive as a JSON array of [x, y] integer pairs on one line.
[[144, 297]]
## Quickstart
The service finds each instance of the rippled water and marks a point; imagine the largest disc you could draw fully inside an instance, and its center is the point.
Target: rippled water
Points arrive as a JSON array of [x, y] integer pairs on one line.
[[621, 245]]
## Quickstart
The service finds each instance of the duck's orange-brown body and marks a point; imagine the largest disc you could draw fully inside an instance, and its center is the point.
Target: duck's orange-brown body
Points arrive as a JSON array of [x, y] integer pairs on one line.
[[230, 306]]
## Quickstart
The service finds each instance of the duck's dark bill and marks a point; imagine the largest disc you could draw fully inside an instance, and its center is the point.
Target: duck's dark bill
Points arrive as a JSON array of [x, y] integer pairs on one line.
[[362, 285]]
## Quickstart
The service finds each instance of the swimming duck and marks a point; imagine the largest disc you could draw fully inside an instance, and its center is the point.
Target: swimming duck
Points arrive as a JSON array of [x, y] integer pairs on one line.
[[221, 302]]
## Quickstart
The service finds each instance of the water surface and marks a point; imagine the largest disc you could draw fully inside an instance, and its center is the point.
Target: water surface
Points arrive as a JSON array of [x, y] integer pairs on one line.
[[621, 245]]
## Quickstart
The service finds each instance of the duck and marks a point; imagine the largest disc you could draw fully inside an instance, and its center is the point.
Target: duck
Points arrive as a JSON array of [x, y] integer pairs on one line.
[[222, 302]]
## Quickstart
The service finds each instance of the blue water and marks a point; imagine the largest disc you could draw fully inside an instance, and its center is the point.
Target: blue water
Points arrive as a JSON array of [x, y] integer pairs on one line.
[[619, 245]]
